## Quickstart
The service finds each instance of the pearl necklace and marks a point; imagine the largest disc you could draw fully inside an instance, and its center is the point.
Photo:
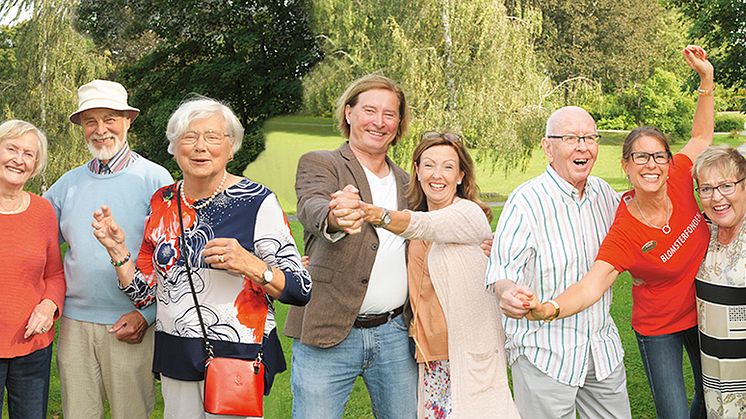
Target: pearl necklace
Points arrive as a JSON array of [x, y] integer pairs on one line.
[[208, 200], [18, 207], [666, 228]]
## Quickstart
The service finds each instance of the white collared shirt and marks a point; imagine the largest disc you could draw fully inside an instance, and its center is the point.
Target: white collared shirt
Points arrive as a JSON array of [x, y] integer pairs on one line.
[[547, 238]]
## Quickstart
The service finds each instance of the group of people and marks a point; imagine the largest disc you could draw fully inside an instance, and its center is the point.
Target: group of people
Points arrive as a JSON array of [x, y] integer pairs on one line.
[[411, 289]]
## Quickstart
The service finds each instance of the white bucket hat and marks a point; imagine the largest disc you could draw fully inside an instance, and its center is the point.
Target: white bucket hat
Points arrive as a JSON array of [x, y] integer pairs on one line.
[[103, 94]]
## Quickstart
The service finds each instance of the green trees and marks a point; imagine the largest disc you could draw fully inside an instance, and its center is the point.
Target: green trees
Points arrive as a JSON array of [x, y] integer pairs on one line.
[[722, 26], [45, 60], [465, 66], [247, 53]]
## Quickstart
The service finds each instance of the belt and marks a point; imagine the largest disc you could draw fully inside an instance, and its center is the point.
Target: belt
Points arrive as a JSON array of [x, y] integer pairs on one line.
[[365, 321]]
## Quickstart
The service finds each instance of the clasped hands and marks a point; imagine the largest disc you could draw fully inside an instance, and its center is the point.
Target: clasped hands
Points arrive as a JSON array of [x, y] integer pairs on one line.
[[518, 301]]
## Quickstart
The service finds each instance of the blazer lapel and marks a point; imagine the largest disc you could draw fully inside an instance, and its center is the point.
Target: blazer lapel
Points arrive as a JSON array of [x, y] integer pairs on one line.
[[361, 181]]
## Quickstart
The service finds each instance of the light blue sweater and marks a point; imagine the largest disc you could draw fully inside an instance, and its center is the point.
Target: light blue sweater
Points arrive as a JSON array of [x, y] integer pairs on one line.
[[92, 291]]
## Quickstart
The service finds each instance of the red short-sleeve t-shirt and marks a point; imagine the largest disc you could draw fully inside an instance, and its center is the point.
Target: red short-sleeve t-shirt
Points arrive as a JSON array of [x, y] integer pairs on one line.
[[664, 264]]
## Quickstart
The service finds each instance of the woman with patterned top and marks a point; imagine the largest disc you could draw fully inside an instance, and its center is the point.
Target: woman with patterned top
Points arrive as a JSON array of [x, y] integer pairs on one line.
[[239, 248], [721, 282]]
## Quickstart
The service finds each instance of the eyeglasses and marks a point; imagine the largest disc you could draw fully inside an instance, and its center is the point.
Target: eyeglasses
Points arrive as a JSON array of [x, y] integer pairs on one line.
[[211, 137], [642, 157], [448, 136], [574, 140], [725, 189]]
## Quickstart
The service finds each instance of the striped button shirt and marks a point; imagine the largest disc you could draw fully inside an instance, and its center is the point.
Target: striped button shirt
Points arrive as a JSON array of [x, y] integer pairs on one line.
[[121, 160], [547, 239]]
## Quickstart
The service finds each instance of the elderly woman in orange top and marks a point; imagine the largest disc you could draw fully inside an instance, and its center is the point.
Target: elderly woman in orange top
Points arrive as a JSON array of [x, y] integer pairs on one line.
[[32, 281], [456, 327]]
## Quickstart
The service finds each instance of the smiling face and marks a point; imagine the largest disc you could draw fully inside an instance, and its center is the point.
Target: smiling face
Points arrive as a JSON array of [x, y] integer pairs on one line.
[[572, 162], [374, 121], [651, 176], [18, 159], [439, 174], [105, 131], [725, 211], [200, 159]]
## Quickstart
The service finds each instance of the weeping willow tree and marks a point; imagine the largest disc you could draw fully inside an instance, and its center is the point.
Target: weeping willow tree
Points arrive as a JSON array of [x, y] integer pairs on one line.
[[465, 65], [50, 61]]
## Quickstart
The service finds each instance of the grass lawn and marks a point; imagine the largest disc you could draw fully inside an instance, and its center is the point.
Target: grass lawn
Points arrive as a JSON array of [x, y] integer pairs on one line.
[[289, 137]]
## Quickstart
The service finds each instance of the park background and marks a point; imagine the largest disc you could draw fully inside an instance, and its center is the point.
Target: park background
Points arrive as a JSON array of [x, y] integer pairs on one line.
[[492, 70]]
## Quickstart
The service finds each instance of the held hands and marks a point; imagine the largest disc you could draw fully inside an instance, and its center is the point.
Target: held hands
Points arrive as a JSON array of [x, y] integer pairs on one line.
[[41, 319], [130, 327], [105, 229], [345, 214], [516, 301], [696, 58]]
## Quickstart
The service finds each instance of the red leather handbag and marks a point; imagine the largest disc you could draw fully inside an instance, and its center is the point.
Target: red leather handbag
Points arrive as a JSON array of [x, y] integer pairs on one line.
[[234, 386]]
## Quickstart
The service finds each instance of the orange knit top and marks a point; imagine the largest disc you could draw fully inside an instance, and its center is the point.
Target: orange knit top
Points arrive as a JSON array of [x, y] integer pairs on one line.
[[30, 271]]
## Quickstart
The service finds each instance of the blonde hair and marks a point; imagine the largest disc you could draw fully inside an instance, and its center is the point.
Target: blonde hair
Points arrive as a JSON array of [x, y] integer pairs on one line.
[[16, 128], [723, 158]]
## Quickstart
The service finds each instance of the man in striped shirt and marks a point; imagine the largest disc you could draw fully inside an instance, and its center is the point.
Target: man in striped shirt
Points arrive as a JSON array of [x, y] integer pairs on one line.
[[546, 240]]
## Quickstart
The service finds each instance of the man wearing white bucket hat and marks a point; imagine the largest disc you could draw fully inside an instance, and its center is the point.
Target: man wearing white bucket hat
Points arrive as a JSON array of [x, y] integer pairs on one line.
[[105, 347]]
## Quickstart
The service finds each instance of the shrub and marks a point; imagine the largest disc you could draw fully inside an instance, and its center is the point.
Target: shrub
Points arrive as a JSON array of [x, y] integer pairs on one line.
[[729, 122]]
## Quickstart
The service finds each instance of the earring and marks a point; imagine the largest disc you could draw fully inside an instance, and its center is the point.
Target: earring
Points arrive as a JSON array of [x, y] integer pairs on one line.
[[458, 183]]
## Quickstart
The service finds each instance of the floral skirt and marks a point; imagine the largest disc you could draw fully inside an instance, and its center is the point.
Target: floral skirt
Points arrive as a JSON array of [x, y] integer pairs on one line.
[[436, 389]]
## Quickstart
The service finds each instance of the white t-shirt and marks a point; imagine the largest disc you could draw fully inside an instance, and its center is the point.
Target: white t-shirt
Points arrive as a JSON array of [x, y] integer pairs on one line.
[[387, 288]]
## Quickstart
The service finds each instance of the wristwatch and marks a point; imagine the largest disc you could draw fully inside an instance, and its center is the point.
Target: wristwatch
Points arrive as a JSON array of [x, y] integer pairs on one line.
[[267, 275], [385, 218]]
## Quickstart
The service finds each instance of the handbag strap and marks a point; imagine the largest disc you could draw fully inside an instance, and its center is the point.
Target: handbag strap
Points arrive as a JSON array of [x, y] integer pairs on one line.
[[182, 245]]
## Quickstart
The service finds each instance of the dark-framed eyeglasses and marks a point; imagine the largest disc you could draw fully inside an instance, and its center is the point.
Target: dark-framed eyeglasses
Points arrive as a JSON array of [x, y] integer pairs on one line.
[[725, 189], [211, 137], [575, 140], [642, 157]]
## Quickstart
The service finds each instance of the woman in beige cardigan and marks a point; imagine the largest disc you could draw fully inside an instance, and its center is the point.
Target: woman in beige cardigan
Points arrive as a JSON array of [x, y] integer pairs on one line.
[[456, 325]]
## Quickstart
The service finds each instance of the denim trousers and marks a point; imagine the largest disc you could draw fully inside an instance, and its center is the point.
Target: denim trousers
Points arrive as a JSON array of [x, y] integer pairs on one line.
[[27, 380], [662, 359], [322, 378]]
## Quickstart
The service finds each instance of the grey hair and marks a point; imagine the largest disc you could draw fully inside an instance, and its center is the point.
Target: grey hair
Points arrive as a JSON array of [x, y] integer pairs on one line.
[[15, 128], [724, 158], [198, 108], [560, 115]]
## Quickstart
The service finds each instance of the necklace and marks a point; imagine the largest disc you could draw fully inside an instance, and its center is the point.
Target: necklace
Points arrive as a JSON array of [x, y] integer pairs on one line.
[[666, 228], [207, 201], [14, 210]]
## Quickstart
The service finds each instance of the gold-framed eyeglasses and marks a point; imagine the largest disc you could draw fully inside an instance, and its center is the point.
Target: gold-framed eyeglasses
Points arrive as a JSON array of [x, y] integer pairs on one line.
[[575, 140], [211, 137], [725, 189], [642, 157]]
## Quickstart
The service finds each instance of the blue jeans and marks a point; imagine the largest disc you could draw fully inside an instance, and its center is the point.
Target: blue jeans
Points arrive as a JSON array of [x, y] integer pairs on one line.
[[662, 359], [322, 379], [27, 380]]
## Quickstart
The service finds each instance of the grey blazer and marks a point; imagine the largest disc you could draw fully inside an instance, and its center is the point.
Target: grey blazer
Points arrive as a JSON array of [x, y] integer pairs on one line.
[[340, 270]]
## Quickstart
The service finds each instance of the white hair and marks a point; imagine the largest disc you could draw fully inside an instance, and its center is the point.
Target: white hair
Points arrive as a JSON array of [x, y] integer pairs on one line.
[[202, 108], [16, 128]]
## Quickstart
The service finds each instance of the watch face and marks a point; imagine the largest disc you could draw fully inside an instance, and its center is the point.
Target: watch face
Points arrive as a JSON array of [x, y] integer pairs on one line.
[[268, 275]]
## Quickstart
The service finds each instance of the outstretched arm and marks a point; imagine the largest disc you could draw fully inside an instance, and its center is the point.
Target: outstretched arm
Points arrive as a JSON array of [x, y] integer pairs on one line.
[[703, 125], [578, 296]]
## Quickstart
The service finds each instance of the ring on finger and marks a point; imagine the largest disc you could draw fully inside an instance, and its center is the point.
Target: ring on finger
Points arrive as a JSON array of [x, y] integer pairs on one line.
[[44, 330], [221, 258]]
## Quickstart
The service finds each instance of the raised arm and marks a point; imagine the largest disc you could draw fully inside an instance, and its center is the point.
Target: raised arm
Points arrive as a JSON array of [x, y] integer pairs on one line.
[[703, 125], [578, 296], [111, 236]]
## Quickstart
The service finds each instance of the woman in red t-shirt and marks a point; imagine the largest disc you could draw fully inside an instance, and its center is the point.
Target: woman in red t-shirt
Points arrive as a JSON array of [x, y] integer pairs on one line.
[[660, 237]]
